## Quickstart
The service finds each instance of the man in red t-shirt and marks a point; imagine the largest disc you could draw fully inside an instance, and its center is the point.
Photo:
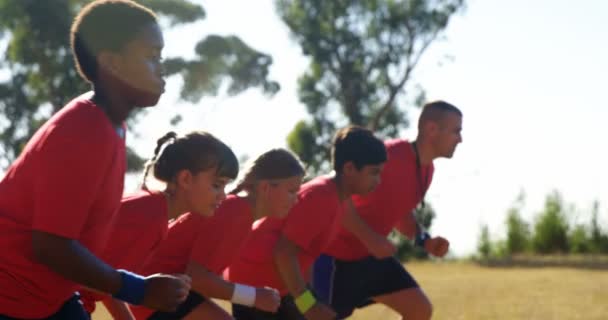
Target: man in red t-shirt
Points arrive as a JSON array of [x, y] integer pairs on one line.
[[59, 198], [280, 252], [358, 267]]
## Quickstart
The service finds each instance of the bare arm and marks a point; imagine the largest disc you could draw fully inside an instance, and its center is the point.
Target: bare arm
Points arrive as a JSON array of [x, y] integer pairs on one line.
[[213, 286], [357, 226], [71, 260], [286, 259], [408, 226], [209, 284], [118, 309], [74, 262], [375, 243]]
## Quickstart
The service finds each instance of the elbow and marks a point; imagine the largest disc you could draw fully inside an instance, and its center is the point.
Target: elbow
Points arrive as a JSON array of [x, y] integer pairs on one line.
[[51, 250], [191, 269], [43, 246], [285, 253]]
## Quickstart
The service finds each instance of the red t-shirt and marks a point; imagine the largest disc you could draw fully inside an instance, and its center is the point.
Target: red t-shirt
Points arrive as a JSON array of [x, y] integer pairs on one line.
[[212, 242], [139, 228], [398, 193], [68, 181], [311, 224]]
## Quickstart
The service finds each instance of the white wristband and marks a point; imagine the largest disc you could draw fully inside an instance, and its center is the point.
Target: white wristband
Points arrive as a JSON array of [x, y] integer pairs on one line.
[[244, 295]]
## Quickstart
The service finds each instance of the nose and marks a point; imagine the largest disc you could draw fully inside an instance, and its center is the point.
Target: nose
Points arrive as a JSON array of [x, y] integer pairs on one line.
[[161, 72]]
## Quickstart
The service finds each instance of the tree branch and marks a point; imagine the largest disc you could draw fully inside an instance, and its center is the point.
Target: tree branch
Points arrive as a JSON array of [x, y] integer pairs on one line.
[[410, 65]]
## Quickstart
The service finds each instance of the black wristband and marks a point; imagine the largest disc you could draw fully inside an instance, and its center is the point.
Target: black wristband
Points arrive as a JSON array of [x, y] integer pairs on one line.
[[421, 239]]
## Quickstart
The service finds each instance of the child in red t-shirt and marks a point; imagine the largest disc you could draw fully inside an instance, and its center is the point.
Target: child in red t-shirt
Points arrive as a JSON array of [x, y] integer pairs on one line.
[[59, 198], [361, 250], [195, 169], [279, 253], [203, 247]]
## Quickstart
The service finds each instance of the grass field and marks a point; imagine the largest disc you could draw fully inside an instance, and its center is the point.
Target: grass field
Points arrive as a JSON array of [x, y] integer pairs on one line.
[[467, 291]]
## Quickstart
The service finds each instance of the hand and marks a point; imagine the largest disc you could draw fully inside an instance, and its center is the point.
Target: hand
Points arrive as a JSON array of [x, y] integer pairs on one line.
[[186, 278], [267, 299], [166, 292], [437, 246], [320, 311], [380, 247]]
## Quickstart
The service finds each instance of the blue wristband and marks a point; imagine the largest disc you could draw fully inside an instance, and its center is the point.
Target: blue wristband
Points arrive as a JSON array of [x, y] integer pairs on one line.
[[132, 289], [421, 239]]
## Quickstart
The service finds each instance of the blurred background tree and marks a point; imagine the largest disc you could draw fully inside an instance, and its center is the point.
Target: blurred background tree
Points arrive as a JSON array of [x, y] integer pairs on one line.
[[37, 74]]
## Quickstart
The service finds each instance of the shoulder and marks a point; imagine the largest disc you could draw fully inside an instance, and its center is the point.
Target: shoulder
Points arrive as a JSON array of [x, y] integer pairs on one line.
[[145, 203], [83, 117], [143, 198], [318, 192], [80, 127], [318, 187], [232, 207]]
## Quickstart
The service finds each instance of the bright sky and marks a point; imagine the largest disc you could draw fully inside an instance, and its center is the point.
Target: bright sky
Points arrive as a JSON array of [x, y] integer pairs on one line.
[[527, 75]]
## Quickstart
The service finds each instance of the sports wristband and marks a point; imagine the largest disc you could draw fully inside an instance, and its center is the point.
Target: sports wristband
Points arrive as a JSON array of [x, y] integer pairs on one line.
[[244, 295], [305, 301], [421, 239], [132, 288]]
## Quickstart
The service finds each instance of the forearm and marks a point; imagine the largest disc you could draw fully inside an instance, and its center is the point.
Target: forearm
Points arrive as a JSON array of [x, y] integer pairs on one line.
[[209, 284], [408, 226], [118, 309], [71, 260], [286, 260]]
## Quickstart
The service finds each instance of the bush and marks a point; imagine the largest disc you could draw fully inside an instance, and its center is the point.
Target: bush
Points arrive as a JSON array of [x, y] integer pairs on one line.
[[518, 233], [551, 229]]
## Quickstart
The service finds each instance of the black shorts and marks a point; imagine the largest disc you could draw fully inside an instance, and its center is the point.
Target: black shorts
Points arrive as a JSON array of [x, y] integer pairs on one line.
[[287, 311], [347, 285], [70, 310], [194, 300]]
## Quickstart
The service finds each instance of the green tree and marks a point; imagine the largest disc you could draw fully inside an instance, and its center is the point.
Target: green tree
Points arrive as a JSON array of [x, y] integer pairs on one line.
[[362, 56], [551, 228], [598, 239], [518, 232], [579, 240], [484, 244], [37, 74]]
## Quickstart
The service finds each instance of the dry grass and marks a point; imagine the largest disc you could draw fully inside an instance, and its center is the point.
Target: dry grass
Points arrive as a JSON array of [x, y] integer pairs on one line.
[[467, 291]]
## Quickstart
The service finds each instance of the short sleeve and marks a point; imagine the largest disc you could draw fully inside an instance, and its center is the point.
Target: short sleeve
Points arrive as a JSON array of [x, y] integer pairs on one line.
[[308, 219], [72, 161]]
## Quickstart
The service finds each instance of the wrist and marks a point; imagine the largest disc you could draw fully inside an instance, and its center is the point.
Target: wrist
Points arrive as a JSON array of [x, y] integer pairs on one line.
[[421, 238], [132, 287], [243, 295], [305, 301]]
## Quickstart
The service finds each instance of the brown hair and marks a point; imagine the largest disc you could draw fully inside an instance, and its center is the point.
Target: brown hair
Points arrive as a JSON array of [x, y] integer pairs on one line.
[[197, 151], [434, 111], [271, 165]]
